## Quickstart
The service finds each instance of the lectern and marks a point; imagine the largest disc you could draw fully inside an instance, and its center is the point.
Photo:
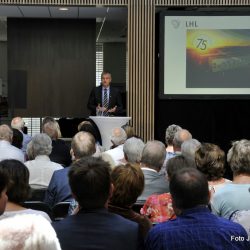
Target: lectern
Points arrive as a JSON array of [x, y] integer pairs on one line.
[[105, 125]]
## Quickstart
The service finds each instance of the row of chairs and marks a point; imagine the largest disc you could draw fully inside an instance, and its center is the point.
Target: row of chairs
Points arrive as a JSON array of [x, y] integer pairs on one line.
[[58, 212]]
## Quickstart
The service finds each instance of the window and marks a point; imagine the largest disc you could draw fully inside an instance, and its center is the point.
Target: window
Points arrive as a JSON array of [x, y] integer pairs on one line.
[[99, 62]]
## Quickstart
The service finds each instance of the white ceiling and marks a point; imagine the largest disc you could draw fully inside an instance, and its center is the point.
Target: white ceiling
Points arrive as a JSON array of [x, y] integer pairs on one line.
[[114, 18]]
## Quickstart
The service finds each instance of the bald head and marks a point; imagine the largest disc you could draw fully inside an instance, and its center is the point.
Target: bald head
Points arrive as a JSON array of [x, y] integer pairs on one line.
[[6, 133], [17, 123], [153, 155], [118, 136], [83, 144], [179, 137]]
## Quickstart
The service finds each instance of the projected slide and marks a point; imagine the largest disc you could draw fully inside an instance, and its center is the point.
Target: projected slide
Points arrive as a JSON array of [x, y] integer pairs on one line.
[[218, 58], [205, 55]]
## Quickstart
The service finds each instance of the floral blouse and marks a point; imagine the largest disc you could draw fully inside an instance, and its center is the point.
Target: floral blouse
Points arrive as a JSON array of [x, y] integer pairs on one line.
[[158, 208]]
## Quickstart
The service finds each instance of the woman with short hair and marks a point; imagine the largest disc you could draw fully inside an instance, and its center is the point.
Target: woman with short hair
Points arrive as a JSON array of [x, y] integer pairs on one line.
[[128, 181], [210, 160], [41, 168]]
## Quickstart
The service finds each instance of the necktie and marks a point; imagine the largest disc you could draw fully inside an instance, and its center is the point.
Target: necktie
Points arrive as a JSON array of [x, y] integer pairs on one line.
[[105, 102]]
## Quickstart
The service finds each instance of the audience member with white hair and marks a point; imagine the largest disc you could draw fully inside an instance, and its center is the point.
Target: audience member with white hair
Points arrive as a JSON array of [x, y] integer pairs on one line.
[[118, 139], [41, 168], [235, 196], [18, 123], [27, 232], [8, 151], [132, 149]]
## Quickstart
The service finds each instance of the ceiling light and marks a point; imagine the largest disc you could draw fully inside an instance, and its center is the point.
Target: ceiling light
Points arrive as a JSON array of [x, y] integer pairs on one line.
[[63, 8]]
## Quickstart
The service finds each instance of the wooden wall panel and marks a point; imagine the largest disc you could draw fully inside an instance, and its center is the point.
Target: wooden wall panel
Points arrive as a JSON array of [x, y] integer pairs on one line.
[[141, 66], [58, 57], [67, 2]]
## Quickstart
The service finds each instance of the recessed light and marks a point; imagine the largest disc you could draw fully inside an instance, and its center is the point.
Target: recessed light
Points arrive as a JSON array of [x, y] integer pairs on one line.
[[63, 8]]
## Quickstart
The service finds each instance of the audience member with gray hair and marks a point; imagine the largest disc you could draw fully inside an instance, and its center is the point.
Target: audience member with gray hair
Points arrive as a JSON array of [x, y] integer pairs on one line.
[[18, 123], [169, 136], [153, 156], [188, 149], [175, 135], [41, 168], [118, 138], [132, 149], [235, 196], [83, 144], [8, 151]]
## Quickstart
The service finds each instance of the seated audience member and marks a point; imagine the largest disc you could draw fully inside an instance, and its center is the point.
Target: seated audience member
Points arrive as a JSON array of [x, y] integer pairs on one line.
[[29, 152], [153, 156], [235, 196], [93, 227], [169, 140], [128, 181], [18, 190], [169, 137], [195, 227], [83, 144], [158, 207], [87, 126], [108, 159], [132, 150], [243, 218], [4, 183], [179, 137], [17, 139], [47, 119], [210, 160], [60, 151], [27, 232], [128, 130], [188, 149], [7, 151], [118, 139], [41, 168], [18, 123]]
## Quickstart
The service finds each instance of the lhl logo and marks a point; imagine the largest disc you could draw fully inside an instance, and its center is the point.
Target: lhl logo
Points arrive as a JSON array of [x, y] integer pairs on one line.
[[191, 24]]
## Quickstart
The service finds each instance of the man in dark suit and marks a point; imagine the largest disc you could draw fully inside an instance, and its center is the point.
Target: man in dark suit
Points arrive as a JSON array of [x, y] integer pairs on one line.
[[105, 100], [93, 227], [83, 144], [153, 156]]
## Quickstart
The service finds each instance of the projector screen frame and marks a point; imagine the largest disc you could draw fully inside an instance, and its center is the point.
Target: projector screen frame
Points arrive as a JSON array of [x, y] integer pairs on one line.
[[188, 13]]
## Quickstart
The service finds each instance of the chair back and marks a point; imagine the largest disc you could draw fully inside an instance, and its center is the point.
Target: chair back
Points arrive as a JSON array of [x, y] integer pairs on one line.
[[38, 205], [60, 210], [37, 194], [137, 206]]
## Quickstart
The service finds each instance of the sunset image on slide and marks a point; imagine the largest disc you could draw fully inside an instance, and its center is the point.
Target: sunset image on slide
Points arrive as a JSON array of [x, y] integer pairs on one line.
[[217, 58]]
